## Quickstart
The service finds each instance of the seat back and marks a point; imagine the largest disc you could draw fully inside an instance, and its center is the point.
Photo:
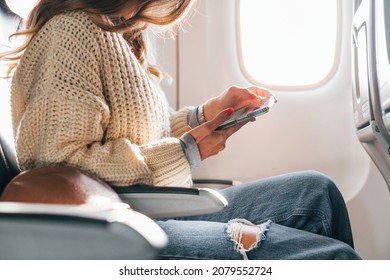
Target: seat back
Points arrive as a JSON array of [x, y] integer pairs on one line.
[[8, 163], [360, 67], [371, 80], [381, 68], [6, 172]]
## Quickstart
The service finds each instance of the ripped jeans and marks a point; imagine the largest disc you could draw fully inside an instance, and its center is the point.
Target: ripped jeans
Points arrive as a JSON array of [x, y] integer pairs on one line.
[[299, 216]]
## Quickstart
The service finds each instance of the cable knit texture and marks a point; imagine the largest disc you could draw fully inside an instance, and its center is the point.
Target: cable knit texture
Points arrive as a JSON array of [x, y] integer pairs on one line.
[[80, 98]]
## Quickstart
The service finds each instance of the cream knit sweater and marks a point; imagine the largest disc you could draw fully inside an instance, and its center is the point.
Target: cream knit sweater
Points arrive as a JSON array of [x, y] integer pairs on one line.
[[80, 98]]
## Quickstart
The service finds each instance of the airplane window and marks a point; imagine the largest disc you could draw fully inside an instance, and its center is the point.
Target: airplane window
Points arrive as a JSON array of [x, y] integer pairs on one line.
[[285, 43]]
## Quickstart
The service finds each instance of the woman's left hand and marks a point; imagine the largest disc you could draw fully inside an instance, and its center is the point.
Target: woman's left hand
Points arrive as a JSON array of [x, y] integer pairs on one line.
[[236, 98]]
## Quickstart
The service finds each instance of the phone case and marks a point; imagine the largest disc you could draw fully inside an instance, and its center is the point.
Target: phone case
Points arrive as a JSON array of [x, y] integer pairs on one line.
[[240, 116]]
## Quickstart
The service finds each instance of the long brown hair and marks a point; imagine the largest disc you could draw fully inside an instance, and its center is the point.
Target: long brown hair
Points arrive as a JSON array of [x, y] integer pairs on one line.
[[108, 15]]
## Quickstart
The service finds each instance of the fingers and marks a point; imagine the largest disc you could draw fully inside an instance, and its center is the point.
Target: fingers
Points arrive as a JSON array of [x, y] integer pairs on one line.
[[211, 145], [216, 141], [220, 119], [262, 92], [241, 93], [233, 129], [239, 97], [210, 142], [250, 98], [204, 130]]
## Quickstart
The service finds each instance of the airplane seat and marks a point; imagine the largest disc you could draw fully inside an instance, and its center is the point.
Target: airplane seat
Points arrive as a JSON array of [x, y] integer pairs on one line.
[[5, 172], [8, 163], [371, 91], [55, 231], [38, 230]]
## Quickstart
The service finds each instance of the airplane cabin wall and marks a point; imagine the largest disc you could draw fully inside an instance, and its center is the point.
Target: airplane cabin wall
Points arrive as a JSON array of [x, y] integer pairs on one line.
[[307, 130]]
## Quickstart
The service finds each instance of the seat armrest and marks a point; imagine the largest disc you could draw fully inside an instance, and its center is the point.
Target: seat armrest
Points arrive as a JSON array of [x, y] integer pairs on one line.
[[215, 183], [43, 231], [170, 202]]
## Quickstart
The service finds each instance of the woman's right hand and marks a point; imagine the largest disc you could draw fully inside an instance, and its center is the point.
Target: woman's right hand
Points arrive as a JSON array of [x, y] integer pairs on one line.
[[236, 97], [211, 141]]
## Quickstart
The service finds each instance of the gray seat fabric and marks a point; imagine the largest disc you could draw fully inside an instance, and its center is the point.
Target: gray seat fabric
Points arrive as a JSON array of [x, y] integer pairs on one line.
[[8, 162], [5, 171]]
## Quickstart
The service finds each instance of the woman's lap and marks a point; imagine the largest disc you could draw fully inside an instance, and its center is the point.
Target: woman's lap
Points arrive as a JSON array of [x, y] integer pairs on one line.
[[200, 240], [307, 212]]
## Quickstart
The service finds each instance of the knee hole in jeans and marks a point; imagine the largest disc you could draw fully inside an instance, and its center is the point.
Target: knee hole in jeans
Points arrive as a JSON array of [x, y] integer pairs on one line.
[[246, 235]]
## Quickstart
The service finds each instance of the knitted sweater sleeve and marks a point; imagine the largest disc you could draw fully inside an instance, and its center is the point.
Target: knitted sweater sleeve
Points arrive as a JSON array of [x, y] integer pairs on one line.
[[179, 121], [61, 116]]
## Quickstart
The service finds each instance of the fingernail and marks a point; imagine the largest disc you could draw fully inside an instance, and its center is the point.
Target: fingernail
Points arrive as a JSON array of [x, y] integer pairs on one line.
[[230, 111]]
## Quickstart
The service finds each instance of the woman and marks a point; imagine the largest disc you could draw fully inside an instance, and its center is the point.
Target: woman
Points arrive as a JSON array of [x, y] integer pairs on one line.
[[84, 95]]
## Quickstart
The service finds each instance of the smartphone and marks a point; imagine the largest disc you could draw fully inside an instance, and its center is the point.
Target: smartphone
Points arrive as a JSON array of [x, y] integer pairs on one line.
[[242, 114]]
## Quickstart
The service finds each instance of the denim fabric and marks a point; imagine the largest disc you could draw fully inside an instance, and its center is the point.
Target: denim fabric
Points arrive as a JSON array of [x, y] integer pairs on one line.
[[303, 216]]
